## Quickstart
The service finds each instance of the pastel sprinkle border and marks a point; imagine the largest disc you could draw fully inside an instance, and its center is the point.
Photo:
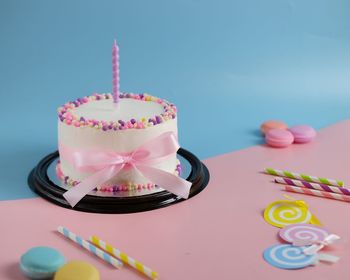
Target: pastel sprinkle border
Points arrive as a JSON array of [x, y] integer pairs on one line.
[[66, 115], [111, 188]]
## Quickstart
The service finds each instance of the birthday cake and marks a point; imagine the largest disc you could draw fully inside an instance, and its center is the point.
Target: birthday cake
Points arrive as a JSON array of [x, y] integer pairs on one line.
[[92, 122], [117, 142]]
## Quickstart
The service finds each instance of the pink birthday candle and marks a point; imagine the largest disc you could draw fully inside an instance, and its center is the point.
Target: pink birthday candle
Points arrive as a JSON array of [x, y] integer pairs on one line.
[[115, 69]]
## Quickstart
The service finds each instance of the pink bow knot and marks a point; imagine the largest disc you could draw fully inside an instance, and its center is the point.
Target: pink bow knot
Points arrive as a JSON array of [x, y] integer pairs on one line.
[[107, 164], [128, 160]]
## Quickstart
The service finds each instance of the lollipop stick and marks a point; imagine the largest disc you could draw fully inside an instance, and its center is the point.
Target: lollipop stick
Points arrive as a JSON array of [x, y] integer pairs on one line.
[[323, 194], [125, 258], [313, 186], [88, 246], [304, 177]]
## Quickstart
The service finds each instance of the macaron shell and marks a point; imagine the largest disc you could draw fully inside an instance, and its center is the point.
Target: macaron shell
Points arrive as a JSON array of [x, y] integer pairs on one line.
[[77, 270], [36, 274], [279, 138], [303, 133], [41, 262], [272, 124]]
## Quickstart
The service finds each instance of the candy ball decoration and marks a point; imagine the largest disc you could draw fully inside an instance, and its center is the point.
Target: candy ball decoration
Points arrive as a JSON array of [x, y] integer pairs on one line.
[[75, 270], [272, 124], [286, 256], [303, 234], [279, 138], [41, 262], [303, 133], [285, 212]]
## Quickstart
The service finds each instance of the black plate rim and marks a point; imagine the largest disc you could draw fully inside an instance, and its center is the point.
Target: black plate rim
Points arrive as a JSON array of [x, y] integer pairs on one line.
[[41, 184]]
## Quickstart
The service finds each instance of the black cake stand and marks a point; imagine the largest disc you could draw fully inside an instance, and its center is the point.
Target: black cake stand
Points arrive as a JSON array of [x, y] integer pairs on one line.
[[40, 183]]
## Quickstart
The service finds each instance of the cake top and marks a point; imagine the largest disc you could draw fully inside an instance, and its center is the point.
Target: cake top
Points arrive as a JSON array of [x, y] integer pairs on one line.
[[98, 111]]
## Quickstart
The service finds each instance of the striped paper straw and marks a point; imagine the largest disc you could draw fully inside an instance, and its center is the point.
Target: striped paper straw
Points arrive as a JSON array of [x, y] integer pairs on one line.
[[125, 258], [304, 177], [91, 248], [315, 186], [317, 193]]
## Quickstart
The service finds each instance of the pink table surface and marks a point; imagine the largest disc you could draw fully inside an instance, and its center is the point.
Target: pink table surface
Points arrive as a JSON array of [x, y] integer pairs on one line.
[[219, 234]]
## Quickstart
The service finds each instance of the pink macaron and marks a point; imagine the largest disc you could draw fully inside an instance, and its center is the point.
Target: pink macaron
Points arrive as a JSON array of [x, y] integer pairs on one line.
[[302, 133], [271, 124], [279, 138]]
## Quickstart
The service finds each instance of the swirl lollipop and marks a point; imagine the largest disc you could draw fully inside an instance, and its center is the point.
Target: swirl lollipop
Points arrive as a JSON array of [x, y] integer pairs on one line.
[[288, 257], [303, 234], [285, 212]]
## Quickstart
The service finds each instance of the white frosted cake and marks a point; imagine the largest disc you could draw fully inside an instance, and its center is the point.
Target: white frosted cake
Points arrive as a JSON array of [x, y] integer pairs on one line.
[[93, 122]]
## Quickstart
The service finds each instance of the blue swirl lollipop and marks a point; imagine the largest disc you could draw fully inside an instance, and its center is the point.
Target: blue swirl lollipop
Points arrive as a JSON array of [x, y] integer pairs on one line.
[[287, 256]]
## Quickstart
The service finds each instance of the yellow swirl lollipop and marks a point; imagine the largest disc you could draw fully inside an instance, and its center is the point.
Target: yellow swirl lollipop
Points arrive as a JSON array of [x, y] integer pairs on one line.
[[285, 212]]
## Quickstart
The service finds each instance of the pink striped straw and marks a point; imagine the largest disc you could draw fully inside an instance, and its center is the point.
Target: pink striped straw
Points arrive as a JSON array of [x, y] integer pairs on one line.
[[314, 186], [330, 195]]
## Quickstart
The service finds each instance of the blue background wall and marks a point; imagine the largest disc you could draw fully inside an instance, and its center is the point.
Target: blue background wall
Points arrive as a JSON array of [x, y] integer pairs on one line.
[[228, 65]]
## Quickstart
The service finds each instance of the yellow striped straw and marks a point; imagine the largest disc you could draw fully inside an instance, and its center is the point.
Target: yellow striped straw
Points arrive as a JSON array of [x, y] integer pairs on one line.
[[123, 257]]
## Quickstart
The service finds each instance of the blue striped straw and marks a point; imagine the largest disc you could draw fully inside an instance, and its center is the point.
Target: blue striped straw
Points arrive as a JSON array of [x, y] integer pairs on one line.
[[90, 247]]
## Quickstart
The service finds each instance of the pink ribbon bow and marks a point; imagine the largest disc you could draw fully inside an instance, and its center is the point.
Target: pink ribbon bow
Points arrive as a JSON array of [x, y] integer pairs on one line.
[[107, 164]]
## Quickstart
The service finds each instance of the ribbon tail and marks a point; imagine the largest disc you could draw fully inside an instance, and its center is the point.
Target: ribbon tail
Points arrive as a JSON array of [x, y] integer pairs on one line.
[[328, 258], [313, 249], [166, 180], [317, 247], [75, 194], [331, 238]]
